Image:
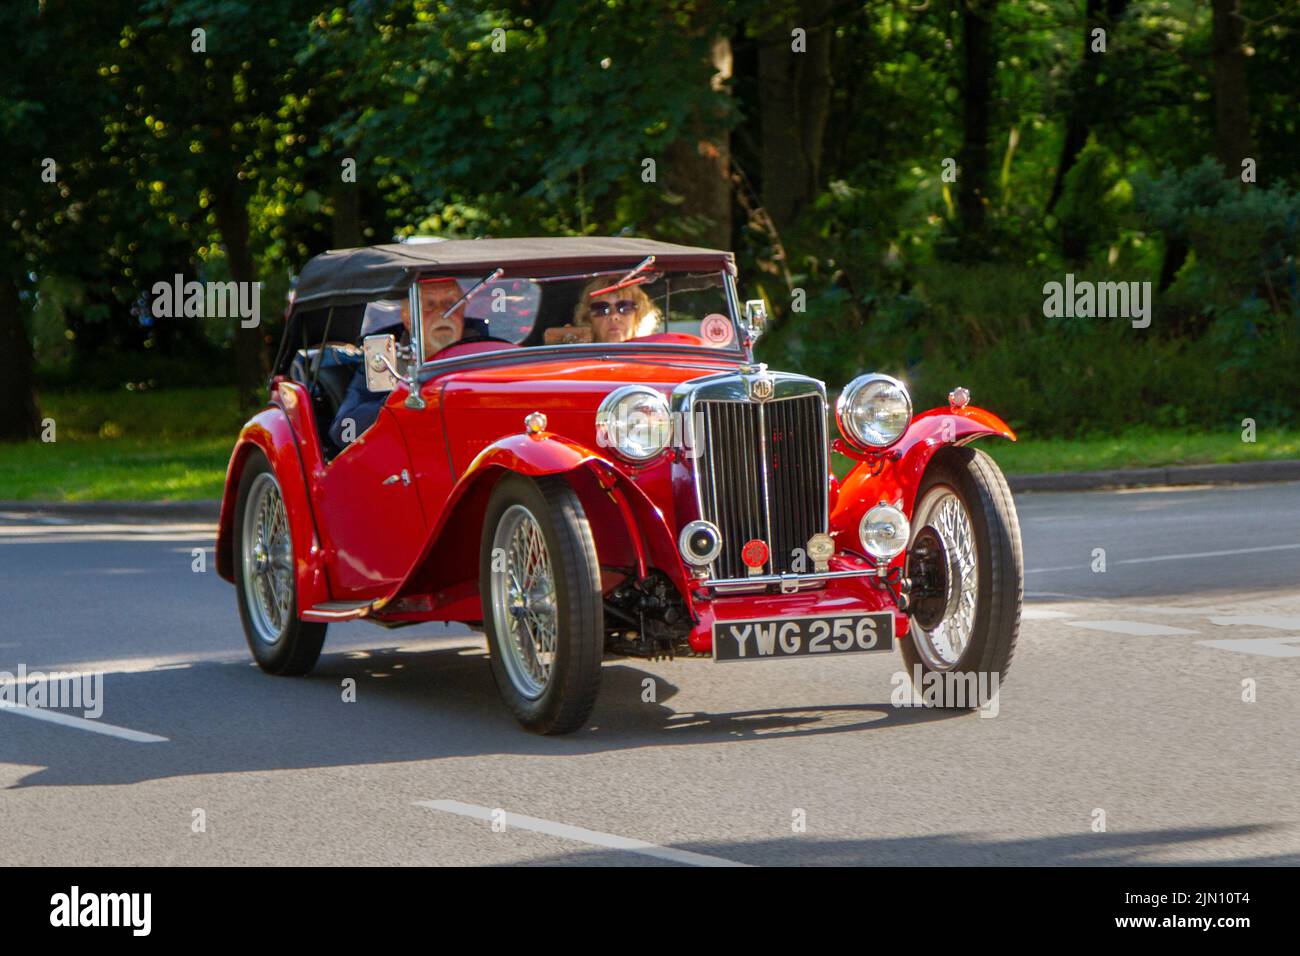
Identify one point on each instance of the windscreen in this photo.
(605, 310)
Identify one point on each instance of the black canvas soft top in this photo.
(354, 276)
(333, 287)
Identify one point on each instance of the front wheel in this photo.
(967, 573)
(542, 607)
(264, 577)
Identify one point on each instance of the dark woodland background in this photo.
(811, 137)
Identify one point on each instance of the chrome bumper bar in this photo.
(789, 583)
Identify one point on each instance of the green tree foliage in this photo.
(899, 180)
(514, 120)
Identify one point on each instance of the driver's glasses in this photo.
(602, 308)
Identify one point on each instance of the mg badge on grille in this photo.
(761, 388)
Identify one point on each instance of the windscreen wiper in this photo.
(632, 278)
(491, 276)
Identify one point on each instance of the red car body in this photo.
(428, 571)
(390, 529)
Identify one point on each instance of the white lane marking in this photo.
(1263, 646)
(1280, 621)
(81, 723)
(580, 834)
(196, 536)
(142, 665)
(35, 519)
(1177, 557)
(1163, 489)
(145, 531)
(1211, 554)
(109, 571)
(1162, 609)
(1137, 628)
(1041, 614)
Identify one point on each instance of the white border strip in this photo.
(580, 834)
(81, 723)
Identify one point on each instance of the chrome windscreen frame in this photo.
(417, 326)
(425, 368)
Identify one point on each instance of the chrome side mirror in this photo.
(381, 355)
(381, 362)
(755, 318)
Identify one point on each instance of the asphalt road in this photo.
(1124, 707)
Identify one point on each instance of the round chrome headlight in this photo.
(884, 531)
(873, 411)
(634, 421)
(700, 543)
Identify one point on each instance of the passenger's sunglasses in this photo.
(622, 306)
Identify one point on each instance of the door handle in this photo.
(404, 476)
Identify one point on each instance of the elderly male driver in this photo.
(360, 406)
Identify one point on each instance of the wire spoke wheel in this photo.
(543, 610)
(266, 576)
(967, 572)
(268, 560)
(944, 637)
(524, 601)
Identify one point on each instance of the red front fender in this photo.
(447, 568)
(902, 466)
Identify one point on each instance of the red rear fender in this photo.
(269, 433)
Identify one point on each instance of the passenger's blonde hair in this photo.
(647, 319)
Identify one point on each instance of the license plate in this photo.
(767, 639)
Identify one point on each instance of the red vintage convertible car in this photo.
(568, 443)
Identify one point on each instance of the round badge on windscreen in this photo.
(716, 329)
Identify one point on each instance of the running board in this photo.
(338, 611)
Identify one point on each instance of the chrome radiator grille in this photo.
(763, 475)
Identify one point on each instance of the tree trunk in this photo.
(1098, 13)
(251, 367)
(794, 102)
(1176, 251)
(1232, 140)
(347, 214)
(699, 163)
(977, 84)
(20, 419)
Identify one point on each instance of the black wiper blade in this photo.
(632, 278)
(495, 274)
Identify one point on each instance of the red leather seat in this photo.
(471, 348)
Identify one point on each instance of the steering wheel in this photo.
(472, 340)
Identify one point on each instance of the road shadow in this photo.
(433, 704)
(953, 849)
(222, 717)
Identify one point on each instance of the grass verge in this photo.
(1136, 448)
(126, 446)
(174, 446)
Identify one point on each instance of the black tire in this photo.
(978, 483)
(297, 643)
(570, 691)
